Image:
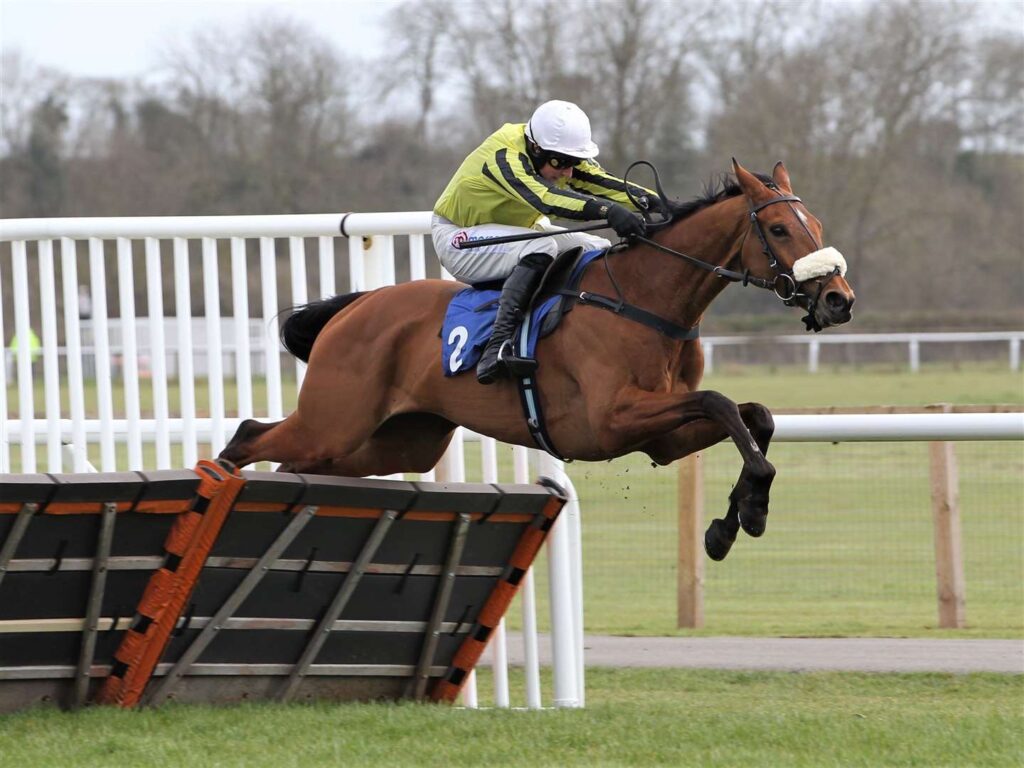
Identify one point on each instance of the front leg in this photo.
(639, 419)
(748, 500)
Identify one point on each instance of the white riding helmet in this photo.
(561, 126)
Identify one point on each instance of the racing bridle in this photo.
(784, 283)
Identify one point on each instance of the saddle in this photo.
(470, 314)
(560, 278)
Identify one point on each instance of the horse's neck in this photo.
(672, 287)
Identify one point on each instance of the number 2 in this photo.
(459, 336)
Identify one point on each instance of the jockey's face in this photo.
(551, 173)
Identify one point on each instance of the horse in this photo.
(374, 400)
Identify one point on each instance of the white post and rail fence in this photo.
(913, 341)
(222, 253)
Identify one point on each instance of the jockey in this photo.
(518, 177)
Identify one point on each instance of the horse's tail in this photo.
(305, 322)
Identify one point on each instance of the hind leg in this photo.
(324, 426)
(405, 443)
(239, 447)
(287, 441)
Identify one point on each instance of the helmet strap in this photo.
(537, 155)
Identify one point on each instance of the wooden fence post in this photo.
(690, 571)
(949, 561)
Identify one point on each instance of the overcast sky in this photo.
(107, 38)
(104, 38)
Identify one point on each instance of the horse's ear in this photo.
(752, 186)
(781, 178)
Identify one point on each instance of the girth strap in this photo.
(636, 314)
(529, 397)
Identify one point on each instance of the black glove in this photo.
(625, 222)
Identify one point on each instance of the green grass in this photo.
(793, 387)
(632, 717)
(848, 549)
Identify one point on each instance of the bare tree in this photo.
(993, 105)
(901, 121)
(270, 105)
(415, 64)
(642, 80)
(511, 57)
(21, 84)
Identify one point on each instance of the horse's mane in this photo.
(715, 190)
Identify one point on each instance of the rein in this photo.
(731, 275)
(784, 284)
(728, 274)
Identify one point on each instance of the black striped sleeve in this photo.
(592, 179)
(487, 172)
(516, 176)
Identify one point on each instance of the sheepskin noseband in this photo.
(819, 264)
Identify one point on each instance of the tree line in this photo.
(902, 123)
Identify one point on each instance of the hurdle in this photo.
(219, 585)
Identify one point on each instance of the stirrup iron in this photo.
(515, 365)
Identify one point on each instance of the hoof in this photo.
(718, 539)
(753, 517)
(226, 464)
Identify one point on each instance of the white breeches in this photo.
(496, 262)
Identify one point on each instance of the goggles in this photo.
(560, 161)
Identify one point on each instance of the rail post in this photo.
(949, 561)
(813, 355)
(690, 570)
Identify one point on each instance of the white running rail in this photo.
(263, 263)
(914, 341)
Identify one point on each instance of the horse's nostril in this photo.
(836, 301)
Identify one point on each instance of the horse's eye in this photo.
(778, 230)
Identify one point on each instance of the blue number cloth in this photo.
(467, 327)
(470, 317)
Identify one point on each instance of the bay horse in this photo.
(375, 401)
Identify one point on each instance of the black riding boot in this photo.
(515, 296)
